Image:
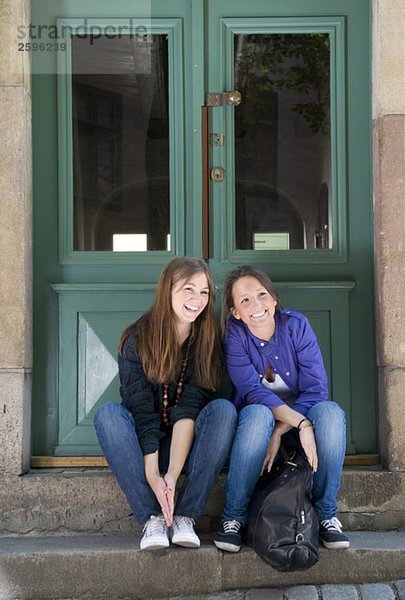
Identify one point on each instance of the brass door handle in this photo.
(235, 98)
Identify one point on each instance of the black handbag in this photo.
(282, 524)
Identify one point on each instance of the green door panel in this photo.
(84, 299)
(326, 305)
(91, 319)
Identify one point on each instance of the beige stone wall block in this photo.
(14, 64)
(15, 422)
(15, 228)
(388, 57)
(389, 185)
(392, 418)
(27, 61)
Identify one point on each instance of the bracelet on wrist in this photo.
(300, 425)
(304, 427)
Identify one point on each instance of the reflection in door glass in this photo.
(282, 141)
(121, 144)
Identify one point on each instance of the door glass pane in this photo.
(282, 141)
(121, 143)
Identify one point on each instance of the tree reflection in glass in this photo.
(282, 141)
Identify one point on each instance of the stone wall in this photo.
(15, 242)
(389, 197)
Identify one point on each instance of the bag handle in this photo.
(288, 459)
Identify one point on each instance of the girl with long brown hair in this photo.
(169, 365)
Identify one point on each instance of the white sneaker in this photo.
(183, 533)
(155, 534)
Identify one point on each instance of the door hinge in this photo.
(224, 98)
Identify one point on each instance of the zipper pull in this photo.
(302, 516)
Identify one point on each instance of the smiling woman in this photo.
(255, 306)
(261, 340)
(189, 298)
(169, 367)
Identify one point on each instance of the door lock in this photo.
(217, 174)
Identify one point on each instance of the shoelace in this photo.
(332, 524)
(231, 526)
(183, 522)
(155, 525)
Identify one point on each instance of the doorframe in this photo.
(196, 67)
(389, 113)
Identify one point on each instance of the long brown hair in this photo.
(232, 278)
(157, 341)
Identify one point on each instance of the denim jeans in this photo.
(214, 431)
(330, 435)
(255, 425)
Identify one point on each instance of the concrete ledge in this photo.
(372, 557)
(372, 499)
(111, 566)
(89, 500)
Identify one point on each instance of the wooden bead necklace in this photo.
(180, 385)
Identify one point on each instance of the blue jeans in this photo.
(255, 425)
(214, 430)
(330, 435)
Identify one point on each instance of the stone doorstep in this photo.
(112, 566)
(56, 501)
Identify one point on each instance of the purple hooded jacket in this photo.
(294, 354)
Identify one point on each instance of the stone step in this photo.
(106, 566)
(60, 501)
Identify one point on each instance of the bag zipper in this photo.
(299, 537)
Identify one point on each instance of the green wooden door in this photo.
(296, 197)
(118, 155)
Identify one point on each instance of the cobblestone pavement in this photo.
(393, 590)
